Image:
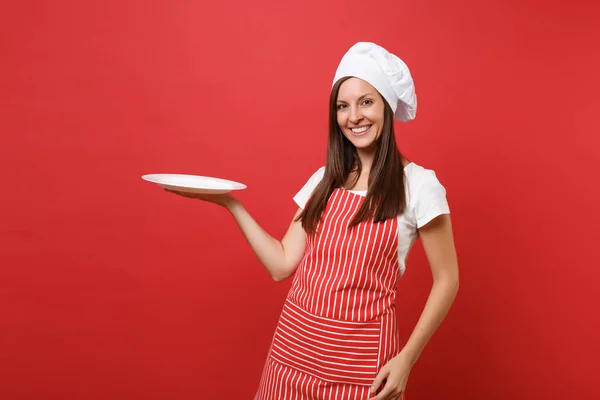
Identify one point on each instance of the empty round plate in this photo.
(194, 183)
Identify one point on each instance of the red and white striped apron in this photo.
(338, 323)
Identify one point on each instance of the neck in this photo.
(366, 158)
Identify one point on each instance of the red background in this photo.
(111, 288)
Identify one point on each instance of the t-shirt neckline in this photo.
(364, 192)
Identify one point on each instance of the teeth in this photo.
(361, 129)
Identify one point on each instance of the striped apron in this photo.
(338, 323)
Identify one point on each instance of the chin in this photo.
(364, 146)
(362, 143)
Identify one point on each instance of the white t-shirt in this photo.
(425, 200)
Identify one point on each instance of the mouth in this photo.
(361, 130)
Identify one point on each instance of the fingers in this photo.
(219, 199)
(388, 393)
(383, 373)
(385, 392)
(384, 395)
(390, 390)
(395, 396)
(184, 194)
(396, 391)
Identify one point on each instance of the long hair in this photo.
(386, 189)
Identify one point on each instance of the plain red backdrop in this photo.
(112, 288)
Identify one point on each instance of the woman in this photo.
(358, 217)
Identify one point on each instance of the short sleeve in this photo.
(301, 198)
(430, 199)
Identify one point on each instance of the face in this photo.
(360, 113)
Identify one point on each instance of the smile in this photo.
(361, 130)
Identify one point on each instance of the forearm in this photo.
(441, 297)
(269, 250)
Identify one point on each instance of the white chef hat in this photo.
(385, 72)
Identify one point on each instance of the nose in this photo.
(355, 115)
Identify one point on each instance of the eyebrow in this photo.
(361, 97)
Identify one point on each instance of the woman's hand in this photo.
(223, 199)
(395, 372)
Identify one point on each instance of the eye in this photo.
(341, 106)
(367, 102)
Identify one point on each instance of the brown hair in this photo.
(386, 194)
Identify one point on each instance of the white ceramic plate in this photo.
(194, 183)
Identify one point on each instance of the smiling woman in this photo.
(362, 152)
(360, 113)
(337, 336)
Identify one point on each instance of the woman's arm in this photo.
(280, 258)
(438, 243)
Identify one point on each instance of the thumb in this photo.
(383, 373)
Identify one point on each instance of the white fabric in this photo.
(385, 72)
(425, 198)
